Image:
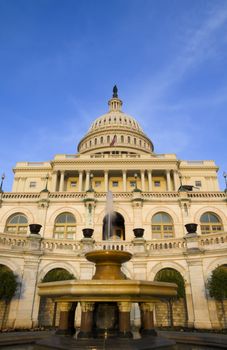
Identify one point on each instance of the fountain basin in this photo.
(107, 290)
(108, 263)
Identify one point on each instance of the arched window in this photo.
(162, 226)
(65, 226)
(129, 139)
(122, 139)
(140, 142)
(95, 141)
(17, 223)
(101, 140)
(134, 141)
(90, 143)
(210, 222)
(108, 139)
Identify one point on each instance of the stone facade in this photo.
(156, 192)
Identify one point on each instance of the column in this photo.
(142, 180)
(200, 303)
(147, 319)
(15, 184)
(149, 180)
(106, 181)
(80, 181)
(168, 182)
(87, 183)
(27, 292)
(86, 320)
(67, 315)
(124, 319)
(176, 180)
(124, 181)
(62, 179)
(54, 181)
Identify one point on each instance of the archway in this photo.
(172, 311)
(48, 310)
(8, 286)
(113, 227)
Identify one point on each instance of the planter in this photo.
(88, 232)
(191, 228)
(35, 228)
(138, 232)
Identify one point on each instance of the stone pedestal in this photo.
(87, 244)
(86, 325)
(147, 319)
(67, 315)
(139, 245)
(124, 320)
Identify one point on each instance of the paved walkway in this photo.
(209, 339)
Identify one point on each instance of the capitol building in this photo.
(154, 196)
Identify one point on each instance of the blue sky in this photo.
(59, 60)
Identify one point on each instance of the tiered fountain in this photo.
(106, 302)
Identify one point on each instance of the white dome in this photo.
(117, 118)
(116, 132)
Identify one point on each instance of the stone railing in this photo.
(12, 241)
(207, 195)
(12, 196)
(114, 245)
(161, 246)
(213, 240)
(53, 245)
(165, 244)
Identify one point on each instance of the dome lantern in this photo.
(115, 103)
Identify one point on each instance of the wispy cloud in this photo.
(200, 44)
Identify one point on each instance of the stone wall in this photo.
(49, 313)
(222, 317)
(4, 311)
(162, 314)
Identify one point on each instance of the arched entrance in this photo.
(48, 310)
(113, 227)
(172, 311)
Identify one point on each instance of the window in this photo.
(198, 183)
(108, 139)
(101, 139)
(73, 183)
(32, 184)
(134, 141)
(129, 140)
(140, 143)
(122, 139)
(132, 183)
(157, 184)
(17, 223)
(95, 141)
(97, 183)
(210, 223)
(162, 226)
(65, 226)
(115, 183)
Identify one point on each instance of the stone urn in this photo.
(138, 232)
(191, 228)
(35, 228)
(88, 232)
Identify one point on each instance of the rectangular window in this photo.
(198, 183)
(115, 183)
(97, 183)
(157, 184)
(32, 184)
(73, 183)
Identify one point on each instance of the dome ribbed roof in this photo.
(115, 118)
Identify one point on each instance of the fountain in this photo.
(106, 301)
